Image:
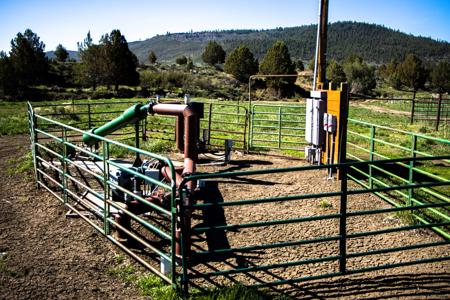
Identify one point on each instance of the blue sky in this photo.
(67, 22)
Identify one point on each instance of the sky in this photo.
(67, 22)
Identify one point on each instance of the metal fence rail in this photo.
(369, 142)
(84, 186)
(407, 170)
(225, 121)
(222, 120)
(279, 127)
(432, 111)
(336, 261)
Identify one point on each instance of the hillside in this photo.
(72, 55)
(375, 43)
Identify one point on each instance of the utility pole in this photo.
(320, 60)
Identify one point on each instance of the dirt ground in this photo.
(44, 255)
(416, 281)
(382, 109)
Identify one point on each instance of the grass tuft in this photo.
(126, 273)
(21, 164)
(153, 286)
(325, 204)
(407, 218)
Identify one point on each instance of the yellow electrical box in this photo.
(337, 106)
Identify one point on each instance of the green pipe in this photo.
(133, 114)
(266, 200)
(270, 246)
(396, 265)
(266, 223)
(397, 249)
(395, 209)
(402, 131)
(397, 229)
(268, 267)
(445, 234)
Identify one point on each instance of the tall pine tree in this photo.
(28, 59)
(278, 62)
(121, 62)
(241, 64)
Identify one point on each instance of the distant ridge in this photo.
(375, 43)
(72, 54)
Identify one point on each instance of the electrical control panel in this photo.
(329, 123)
(315, 108)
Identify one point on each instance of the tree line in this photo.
(374, 43)
(411, 73)
(110, 63)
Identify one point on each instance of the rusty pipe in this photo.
(190, 132)
(165, 171)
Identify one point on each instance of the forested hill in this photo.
(375, 43)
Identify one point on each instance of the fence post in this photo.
(413, 104)
(89, 116)
(34, 141)
(64, 164)
(343, 223)
(250, 129)
(184, 278)
(372, 150)
(144, 130)
(245, 130)
(209, 123)
(136, 142)
(412, 164)
(438, 116)
(279, 127)
(106, 207)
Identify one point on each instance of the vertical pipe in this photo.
(64, 164)
(173, 225)
(343, 223)
(250, 110)
(89, 116)
(184, 280)
(245, 146)
(279, 127)
(33, 136)
(342, 141)
(179, 132)
(209, 122)
(413, 106)
(136, 132)
(372, 150)
(106, 208)
(136, 142)
(144, 130)
(250, 136)
(438, 116)
(411, 166)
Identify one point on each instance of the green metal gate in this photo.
(272, 258)
(277, 127)
(83, 184)
(378, 153)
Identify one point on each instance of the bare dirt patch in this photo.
(404, 281)
(382, 109)
(44, 255)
